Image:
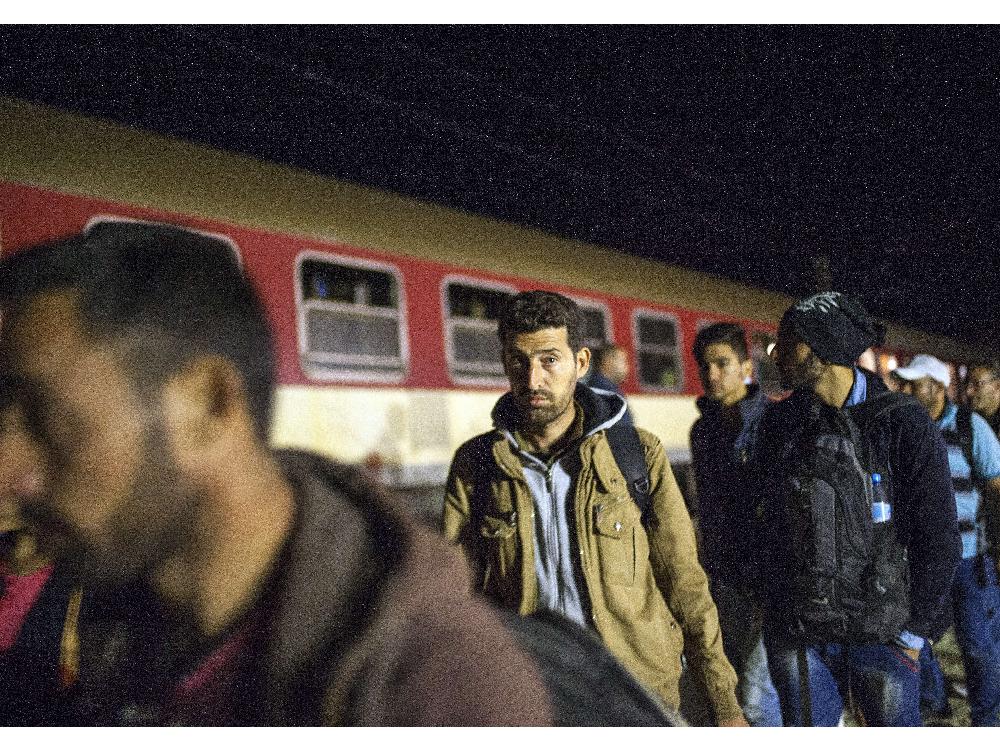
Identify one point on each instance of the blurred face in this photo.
(20, 468)
(543, 371)
(723, 375)
(615, 366)
(798, 366)
(20, 478)
(928, 392)
(983, 391)
(112, 502)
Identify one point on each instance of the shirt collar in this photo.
(859, 391)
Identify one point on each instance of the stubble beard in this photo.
(151, 526)
(536, 418)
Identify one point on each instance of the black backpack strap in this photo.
(482, 475)
(627, 449)
(870, 411)
(963, 430)
(961, 437)
(874, 408)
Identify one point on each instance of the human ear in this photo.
(202, 405)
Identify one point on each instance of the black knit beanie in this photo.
(835, 327)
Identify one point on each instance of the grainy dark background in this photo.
(778, 155)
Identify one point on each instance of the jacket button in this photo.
(618, 525)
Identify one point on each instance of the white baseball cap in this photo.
(925, 366)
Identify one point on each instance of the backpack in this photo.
(849, 578)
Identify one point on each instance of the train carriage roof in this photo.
(50, 148)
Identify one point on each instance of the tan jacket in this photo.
(648, 593)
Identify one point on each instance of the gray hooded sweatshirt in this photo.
(552, 481)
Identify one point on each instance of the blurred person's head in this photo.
(543, 355)
(822, 336)
(983, 389)
(612, 362)
(20, 479)
(926, 378)
(724, 366)
(141, 358)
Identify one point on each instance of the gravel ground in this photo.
(951, 664)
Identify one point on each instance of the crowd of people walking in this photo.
(163, 565)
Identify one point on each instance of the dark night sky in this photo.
(743, 151)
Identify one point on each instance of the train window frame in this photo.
(677, 350)
(448, 325)
(117, 219)
(340, 368)
(593, 304)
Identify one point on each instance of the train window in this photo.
(351, 321)
(658, 350)
(99, 219)
(595, 324)
(471, 312)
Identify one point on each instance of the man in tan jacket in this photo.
(545, 515)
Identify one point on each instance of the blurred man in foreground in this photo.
(226, 583)
(38, 605)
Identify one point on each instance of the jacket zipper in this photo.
(554, 537)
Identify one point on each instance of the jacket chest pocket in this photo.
(616, 523)
(498, 536)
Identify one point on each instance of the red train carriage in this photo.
(383, 308)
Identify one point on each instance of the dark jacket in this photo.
(365, 622)
(604, 383)
(724, 506)
(923, 506)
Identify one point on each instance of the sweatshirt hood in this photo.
(601, 409)
(750, 406)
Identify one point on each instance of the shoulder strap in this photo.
(963, 429)
(626, 447)
(482, 468)
(862, 416)
(877, 406)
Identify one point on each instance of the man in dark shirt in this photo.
(819, 340)
(721, 441)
